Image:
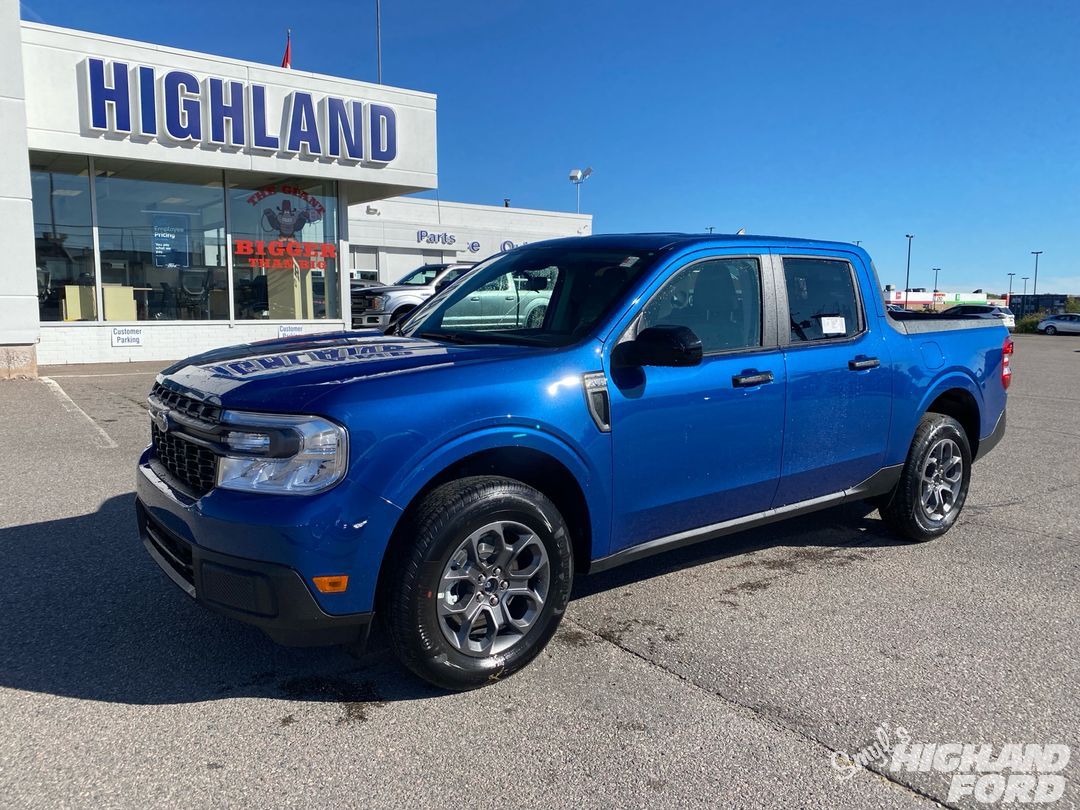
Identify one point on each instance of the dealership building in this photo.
(159, 202)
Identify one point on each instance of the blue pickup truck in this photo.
(451, 477)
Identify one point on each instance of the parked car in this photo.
(452, 475)
(379, 306)
(1068, 324)
(1003, 314)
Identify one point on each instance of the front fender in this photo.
(594, 483)
(404, 301)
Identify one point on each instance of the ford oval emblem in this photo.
(160, 419)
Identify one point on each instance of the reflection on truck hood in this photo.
(286, 375)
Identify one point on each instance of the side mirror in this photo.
(660, 346)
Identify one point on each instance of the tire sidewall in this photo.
(442, 661)
(946, 428)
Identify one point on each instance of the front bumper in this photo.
(371, 320)
(270, 596)
(252, 557)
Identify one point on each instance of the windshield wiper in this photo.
(449, 337)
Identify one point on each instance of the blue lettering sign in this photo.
(147, 101)
(174, 103)
(382, 133)
(259, 136)
(102, 95)
(222, 111)
(303, 130)
(344, 123)
(183, 116)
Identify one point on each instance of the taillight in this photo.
(1006, 362)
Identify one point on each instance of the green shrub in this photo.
(1027, 324)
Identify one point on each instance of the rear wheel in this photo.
(1051, 330)
(933, 485)
(484, 585)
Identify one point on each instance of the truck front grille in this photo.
(193, 466)
(189, 406)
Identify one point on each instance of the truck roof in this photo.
(661, 240)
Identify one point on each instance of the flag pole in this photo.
(378, 40)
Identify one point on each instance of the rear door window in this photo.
(822, 301)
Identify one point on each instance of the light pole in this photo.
(577, 177)
(709, 228)
(907, 276)
(1035, 283)
(1008, 298)
(936, 271)
(1023, 301)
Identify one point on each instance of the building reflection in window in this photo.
(284, 243)
(161, 233)
(63, 237)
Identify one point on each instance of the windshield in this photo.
(422, 275)
(550, 296)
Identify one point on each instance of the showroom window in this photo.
(161, 237)
(63, 237)
(284, 243)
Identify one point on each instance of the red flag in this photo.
(286, 60)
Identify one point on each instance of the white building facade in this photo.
(171, 202)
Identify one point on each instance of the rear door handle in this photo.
(475, 298)
(752, 379)
(509, 298)
(863, 363)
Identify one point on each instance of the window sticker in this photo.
(629, 261)
(833, 325)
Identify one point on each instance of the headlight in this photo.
(283, 455)
(376, 302)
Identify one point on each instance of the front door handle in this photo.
(475, 298)
(751, 379)
(509, 298)
(863, 363)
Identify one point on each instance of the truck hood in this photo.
(287, 375)
(394, 288)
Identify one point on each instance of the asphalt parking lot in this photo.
(723, 675)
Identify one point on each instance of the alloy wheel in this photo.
(493, 588)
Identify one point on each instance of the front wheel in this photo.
(536, 318)
(483, 585)
(934, 482)
(1051, 330)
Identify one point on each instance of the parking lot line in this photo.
(69, 405)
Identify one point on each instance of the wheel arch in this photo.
(532, 466)
(959, 403)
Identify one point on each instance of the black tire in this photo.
(1051, 330)
(904, 512)
(535, 320)
(401, 312)
(437, 527)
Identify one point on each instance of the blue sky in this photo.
(956, 121)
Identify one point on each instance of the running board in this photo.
(879, 483)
